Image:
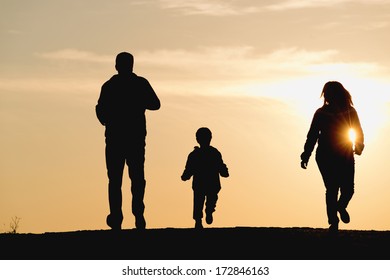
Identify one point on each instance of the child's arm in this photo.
(224, 172)
(187, 173)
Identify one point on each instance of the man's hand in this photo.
(304, 164)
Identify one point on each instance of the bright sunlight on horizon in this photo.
(252, 72)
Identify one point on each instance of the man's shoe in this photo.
(344, 215)
(140, 222)
(112, 225)
(209, 218)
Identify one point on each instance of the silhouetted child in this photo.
(205, 164)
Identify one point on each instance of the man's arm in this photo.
(152, 101)
(101, 106)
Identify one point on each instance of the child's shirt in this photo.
(205, 165)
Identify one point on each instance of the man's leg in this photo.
(135, 162)
(115, 161)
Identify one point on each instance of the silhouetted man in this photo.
(121, 109)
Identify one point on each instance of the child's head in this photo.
(203, 136)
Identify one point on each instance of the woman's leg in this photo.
(328, 172)
(347, 187)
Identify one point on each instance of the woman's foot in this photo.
(198, 224)
(334, 229)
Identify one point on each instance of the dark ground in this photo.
(240, 243)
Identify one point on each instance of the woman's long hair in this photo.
(336, 95)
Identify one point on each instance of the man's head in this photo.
(124, 62)
(203, 136)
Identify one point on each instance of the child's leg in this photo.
(211, 203)
(199, 198)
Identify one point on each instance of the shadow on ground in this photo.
(240, 243)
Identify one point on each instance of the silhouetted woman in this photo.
(331, 128)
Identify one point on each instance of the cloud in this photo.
(241, 71)
(48, 85)
(301, 4)
(240, 63)
(237, 7)
(206, 70)
(75, 55)
(376, 25)
(206, 7)
(13, 32)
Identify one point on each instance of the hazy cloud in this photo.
(242, 71)
(208, 70)
(300, 4)
(244, 63)
(376, 25)
(207, 7)
(13, 32)
(76, 55)
(237, 7)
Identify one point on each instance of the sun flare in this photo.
(352, 135)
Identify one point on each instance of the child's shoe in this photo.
(209, 218)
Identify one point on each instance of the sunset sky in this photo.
(252, 71)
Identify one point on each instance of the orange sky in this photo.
(252, 72)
